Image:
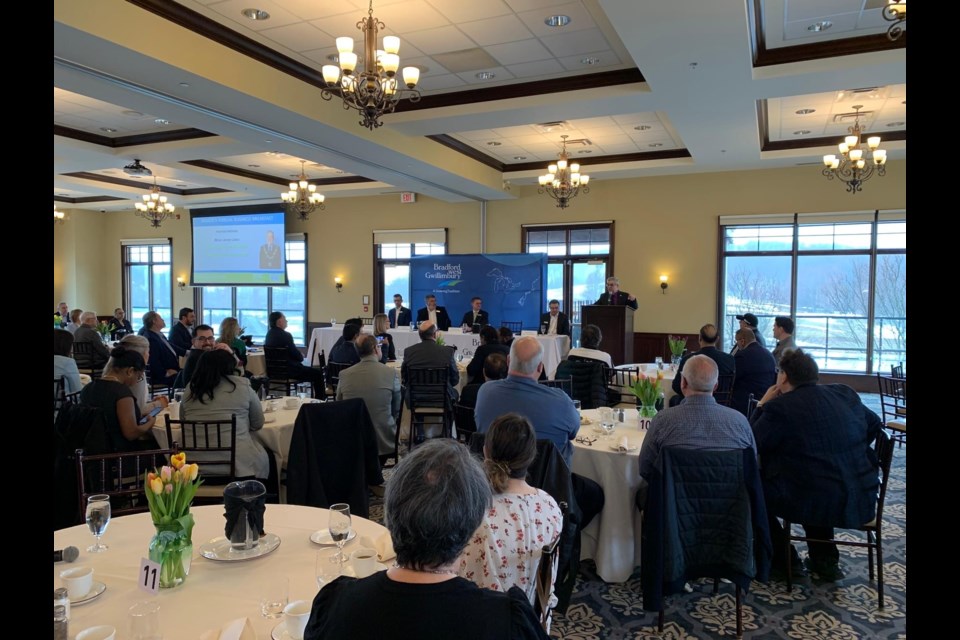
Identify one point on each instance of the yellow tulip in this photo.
(178, 460)
(191, 471)
(151, 476)
(156, 485)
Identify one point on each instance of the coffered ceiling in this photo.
(222, 108)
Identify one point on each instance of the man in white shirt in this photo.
(433, 313)
(554, 322)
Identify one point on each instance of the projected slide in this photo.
(241, 249)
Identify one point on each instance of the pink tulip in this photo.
(166, 473)
(168, 488)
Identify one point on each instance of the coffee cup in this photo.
(99, 632)
(364, 561)
(77, 581)
(295, 617)
(292, 403)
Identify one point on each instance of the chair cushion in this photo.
(897, 425)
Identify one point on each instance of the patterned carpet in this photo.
(815, 610)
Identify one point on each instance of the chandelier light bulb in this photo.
(391, 44)
(563, 180)
(851, 165)
(344, 45)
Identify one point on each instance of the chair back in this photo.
(883, 446)
(120, 476)
(546, 573)
(893, 397)
(515, 326)
(212, 444)
(752, 403)
(621, 380)
(333, 373)
(896, 371)
(277, 365)
(59, 393)
(367, 321)
(564, 384)
(723, 394)
(464, 421)
(427, 388)
(84, 356)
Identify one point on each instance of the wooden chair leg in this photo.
(870, 554)
(660, 620)
(716, 585)
(739, 614)
(788, 555)
(879, 572)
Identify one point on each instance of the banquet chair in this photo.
(724, 391)
(281, 380)
(588, 380)
(76, 426)
(429, 401)
(158, 389)
(751, 406)
(120, 476)
(564, 384)
(516, 327)
(619, 385)
(84, 356)
(212, 444)
(464, 421)
(896, 371)
(546, 574)
(333, 374)
(893, 405)
(883, 446)
(61, 397)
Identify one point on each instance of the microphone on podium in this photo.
(66, 555)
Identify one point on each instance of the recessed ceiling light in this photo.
(643, 127)
(557, 21)
(589, 60)
(181, 184)
(254, 166)
(184, 84)
(804, 112)
(161, 121)
(486, 75)
(823, 25)
(896, 124)
(131, 113)
(802, 132)
(519, 157)
(108, 129)
(494, 143)
(655, 144)
(585, 151)
(255, 14)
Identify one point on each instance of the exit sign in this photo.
(407, 197)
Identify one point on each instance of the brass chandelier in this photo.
(563, 181)
(895, 11)
(303, 197)
(155, 207)
(852, 167)
(376, 90)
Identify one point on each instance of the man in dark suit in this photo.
(164, 363)
(555, 322)
(613, 295)
(708, 347)
(749, 321)
(755, 370)
(430, 355)
(476, 315)
(278, 336)
(817, 461)
(437, 315)
(494, 368)
(345, 351)
(87, 332)
(399, 316)
(181, 333)
(489, 343)
(119, 325)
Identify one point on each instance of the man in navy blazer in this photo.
(399, 316)
(754, 370)
(613, 295)
(433, 313)
(817, 461)
(555, 321)
(164, 362)
(476, 315)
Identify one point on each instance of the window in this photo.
(842, 277)
(578, 263)
(252, 305)
(392, 252)
(146, 280)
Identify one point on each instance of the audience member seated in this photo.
(87, 332)
(63, 312)
(112, 394)
(817, 462)
(230, 331)
(489, 343)
(164, 359)
(278, 336)
(181, 333)
(754, 370)
(141, 394)
(506, 336)
(505, 550)
(434, 503)
(430, 355)
(216, 393)
(345, 352)
(708, 347)
(381, 327)
(119, 325)
(64, 366)
(590, 338)
(74, 322)
(202, 342)
(494, 368)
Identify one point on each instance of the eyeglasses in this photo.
(204, 338)
(139, 376)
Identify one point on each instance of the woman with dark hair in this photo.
(435, 501)
(112, 394)
(64, 366)
(215, 393)
(506, 548)
(489, 343)
(381, 326)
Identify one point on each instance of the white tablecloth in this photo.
(613, 538)
(214, 592)
(256, 363)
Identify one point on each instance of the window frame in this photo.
(379, 292)
(126, 277)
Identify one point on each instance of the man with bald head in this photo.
(87, 332)
(756, 370)
(430, 355)
(708, 347)
(698, 422)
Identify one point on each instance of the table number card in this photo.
(149, 577)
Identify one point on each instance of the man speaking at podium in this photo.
(615, 296)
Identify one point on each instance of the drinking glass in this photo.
(659, 361)
(98, 517)
(413, 325)
(303, 390)
(577, 405)
(339, 528)
(328, 568)
(607, 424)
(333, 321)
(459, 357)
(274, 596)
(145, 621)
(178, 395)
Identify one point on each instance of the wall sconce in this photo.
(181, 283)
(663, 284)
(338, 283)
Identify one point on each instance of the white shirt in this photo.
(552, 329)
(432, 316)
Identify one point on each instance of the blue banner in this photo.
(510, 284)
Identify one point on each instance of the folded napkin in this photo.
(239, 629)
(623, 445)
(383, 544)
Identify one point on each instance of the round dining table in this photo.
(216, 591)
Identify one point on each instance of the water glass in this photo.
(659, 362)
(607, 424)
(333, 321)
(98, 517)
(145, 621)
(178, 395)
(327, 567)
(303, 390)
(274, 595)
(577, 405)
(340, 528)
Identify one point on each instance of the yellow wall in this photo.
(663, 225)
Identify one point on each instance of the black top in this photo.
(119, 329)
(443, 319)
(277, 337)
(387, 351)
(104, 394)
(378, 607)
(181, 338)
(618, 298)
(482, 318)
(475, 368)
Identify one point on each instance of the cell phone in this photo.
(380, 340)
(153, 412)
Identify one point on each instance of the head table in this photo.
(215, 592)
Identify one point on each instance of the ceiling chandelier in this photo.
(852, 167)
(58, 216)
(376, 90)
(895, 11)
(155, 207)
(303, 197)
(562, 180)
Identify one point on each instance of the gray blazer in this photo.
(242, 402)
(379, 388)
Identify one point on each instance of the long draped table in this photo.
(215, 592)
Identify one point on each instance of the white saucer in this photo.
(269, 419)
(616, 447)
(219, 549)
(322, 537)
(96, 590)
(279, 632)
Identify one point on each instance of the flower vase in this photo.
(646, 413)
(172, 548)
(675, 359)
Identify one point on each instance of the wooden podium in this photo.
(616, 325)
